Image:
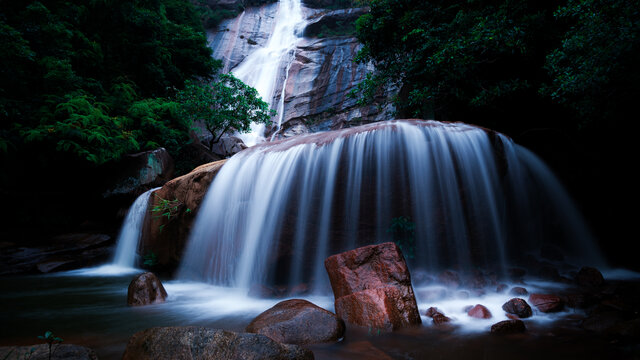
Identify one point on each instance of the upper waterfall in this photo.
(277, 210)
(262, 68)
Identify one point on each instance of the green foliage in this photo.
(150, 259)
(92, 79)
(403, 233)
(223, 105)
(51, 340)
(166, 208)
(599, 49)
(483, 61)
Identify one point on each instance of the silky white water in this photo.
(262, 68)
(275, 211)
(124, 260)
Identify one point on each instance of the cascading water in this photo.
(131, 231)
(261, 68)
(275, 211)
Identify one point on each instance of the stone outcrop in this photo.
(61, 253)
(372, 287)
(318, 84)
(299, 322)
(191, 343)
(137, 173)
(145, 289)
(518, 307)
(41, 352)
(166, 236)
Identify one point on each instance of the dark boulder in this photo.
(298, 322)
(145, 289)
(508, 327)
(588, 276)
(191, 343)
(518, 307)
(41, 352)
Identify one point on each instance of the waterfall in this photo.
(261, 68)
(275, 211)
(130, 233)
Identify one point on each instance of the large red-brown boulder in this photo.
(372, 287)
(479, 312)
(299, 322)
(191, 343)
(546, 302)
(518, 307)
(145, 289)
(166, 236)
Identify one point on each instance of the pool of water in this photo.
(89, 308)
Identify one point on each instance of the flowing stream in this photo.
(262, 68)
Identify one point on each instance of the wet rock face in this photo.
(145, 289)
(137, 173)
(61, 253)
(317, 88)
(236, 38)
(166, 236)
(202, 343)
(372, 287)
(298, 322)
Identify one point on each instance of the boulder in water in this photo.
(518, 307)
(547, 302)
(508, 327)
(479, 312)
(372, 287)
(588, 276)
(299, 322)
(192, 342)
(145, 289)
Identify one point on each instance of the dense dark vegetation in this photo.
(83, 83)
(558, 76)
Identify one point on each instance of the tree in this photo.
(223, 105)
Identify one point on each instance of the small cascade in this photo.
(261, 69)
(475, 199)
(131, 231)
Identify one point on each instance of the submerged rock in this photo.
(547, 302)
(588, 276)
(298, 322)
(508, 327)
(372, 287)
(145, 289)
(191, 343)
(41, 352)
